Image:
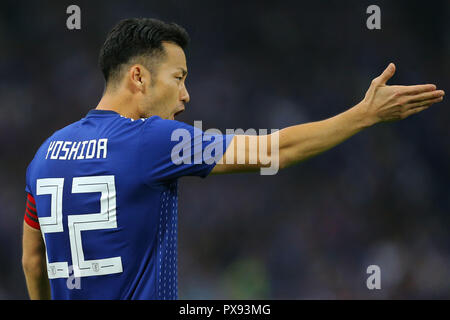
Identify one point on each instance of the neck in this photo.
(120, 103)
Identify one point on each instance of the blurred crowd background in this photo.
(309, 232)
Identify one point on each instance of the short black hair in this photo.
(133, 38)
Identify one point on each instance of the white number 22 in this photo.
(105, 219)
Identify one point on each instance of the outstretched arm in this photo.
(382, 103)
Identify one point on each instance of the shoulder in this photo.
(158, 127)
(157, 121)
(55, 136)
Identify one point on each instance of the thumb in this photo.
(386, 75)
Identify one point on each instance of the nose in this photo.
(184, 95)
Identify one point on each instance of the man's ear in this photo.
(138, 76)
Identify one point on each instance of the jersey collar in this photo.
(101, 112)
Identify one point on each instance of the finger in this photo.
(423, 103)
(415, 110)
(417, 89)
(426, 96)
(386, 75)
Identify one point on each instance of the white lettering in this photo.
(230, 150)
(68, 150)
(81, 156)
(247, 143)
(56, 149)
(102, 146)
(52, 144)
(374, 20)
(274, 158)
(217, 148)
(74, 150)
(74, 20)
(73, 282)
(90, 152)
(65, 149)
(183, 146)
(241, 145)
(374, 281)
(207, 311)
(198, 143)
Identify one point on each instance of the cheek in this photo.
(164, 87)
(171, 91)
(165, 95)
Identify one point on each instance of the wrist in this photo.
(363, 116)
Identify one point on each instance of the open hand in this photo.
(385, 103)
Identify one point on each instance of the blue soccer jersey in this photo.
(103, 191)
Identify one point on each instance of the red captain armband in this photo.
(31, 217)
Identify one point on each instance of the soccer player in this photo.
(101, 208)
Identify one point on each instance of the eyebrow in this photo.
(183, 71)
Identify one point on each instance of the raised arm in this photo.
(382, 103)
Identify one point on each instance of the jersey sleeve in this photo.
(31, 217)
(172, 149)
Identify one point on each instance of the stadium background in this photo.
(382, 197)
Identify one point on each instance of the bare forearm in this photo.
(300, 142)
(38, 284)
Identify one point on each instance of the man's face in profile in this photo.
(167, 93)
